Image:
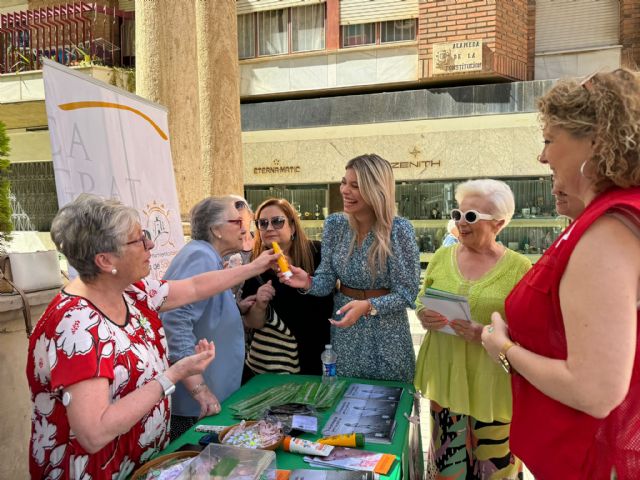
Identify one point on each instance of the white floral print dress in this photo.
(75, 341)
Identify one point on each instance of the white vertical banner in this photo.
(111, 143)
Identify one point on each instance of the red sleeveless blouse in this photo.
(553, 440)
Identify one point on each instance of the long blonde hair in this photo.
(300, 250)
(377, 187)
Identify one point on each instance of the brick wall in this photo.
(502, 25)
(630, 33)
(511, 49)
(531, 39)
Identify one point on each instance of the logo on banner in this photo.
(158, 223)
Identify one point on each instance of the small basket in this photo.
(163, 461)
(222, 435)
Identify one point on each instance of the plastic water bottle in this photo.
(329, 358)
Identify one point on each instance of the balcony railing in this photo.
(71, 34)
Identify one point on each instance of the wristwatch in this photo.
(167, 387)
(502, 356)
(373, 311)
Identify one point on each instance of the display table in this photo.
(401, 448)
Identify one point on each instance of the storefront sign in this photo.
(416, 164)
(456, 57)
(276, 168)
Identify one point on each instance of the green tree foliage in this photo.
(5, 206)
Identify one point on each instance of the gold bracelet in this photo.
(197, 389)
(502, 356)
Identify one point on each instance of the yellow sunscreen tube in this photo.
(344, 440)
(306, 447)
(282, 261)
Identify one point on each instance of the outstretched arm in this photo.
(204, 285)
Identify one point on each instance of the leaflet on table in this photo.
(375, 428)
(364, 407)
(307, 474)
(354, 459)
(374, 392)
(452, 306)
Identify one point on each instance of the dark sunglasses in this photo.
(276, 222)
(470, 216)
(240, 205)
(147, 243)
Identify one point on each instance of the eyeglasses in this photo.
(237, 221)
(147, 243)
(276, 222)
(470, 216)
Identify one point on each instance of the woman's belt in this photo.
(363, 294)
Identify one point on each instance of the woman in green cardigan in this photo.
(470, 394)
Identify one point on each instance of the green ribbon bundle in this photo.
(318, 395)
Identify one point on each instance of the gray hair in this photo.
(498, 193)
(90, 225)
(207, 213)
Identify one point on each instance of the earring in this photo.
(114, 271)
(219, 236)
(582, 168)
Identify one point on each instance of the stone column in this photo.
(186, 60)
(219, 92)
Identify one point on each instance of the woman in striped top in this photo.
(291, 329)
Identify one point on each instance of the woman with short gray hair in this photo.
(97, 366)
(470, 395)
(217, 230)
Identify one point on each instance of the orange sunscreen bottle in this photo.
(344, 440)
(282, 261)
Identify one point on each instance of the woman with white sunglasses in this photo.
(470, 394)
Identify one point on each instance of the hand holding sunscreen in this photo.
(282, 261)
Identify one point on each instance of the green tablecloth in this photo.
(288, 461)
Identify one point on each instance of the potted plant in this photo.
(6, 226)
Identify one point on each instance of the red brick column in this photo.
(502, 26)
(630, 33)
(332, 28)
(512, 48)
(531, 39)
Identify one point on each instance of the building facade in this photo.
(444, 89)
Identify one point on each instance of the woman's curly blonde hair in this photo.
(607, 107)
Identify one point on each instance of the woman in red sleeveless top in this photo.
(572, 339)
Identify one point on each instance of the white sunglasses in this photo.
(470, 216)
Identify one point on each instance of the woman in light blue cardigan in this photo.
(217, 229)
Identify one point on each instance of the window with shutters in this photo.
(273, 29)
(398, 31)
(356, 35)
(377, 33)
(246, 36)
(307, 28)
(283, 31)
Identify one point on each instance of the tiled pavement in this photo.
(417, 334)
